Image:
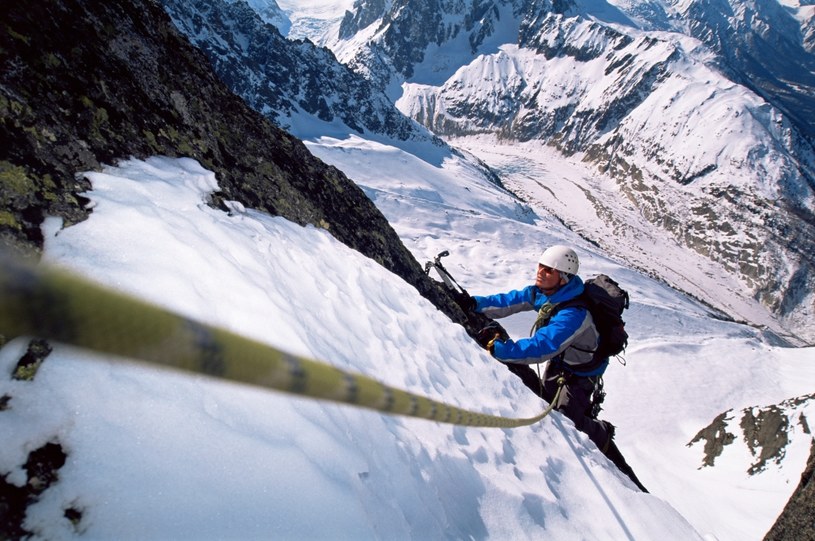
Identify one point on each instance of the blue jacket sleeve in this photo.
(506, 304)
(549, 341)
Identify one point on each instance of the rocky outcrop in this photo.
(285, 80)
(88, 84)
(797, 520)
(365, 13)
(765, 431)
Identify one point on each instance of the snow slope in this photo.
(159, 455)
(317, 20)
(721, 168)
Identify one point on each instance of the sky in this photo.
(154, 454)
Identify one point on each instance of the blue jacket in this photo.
(569, 337)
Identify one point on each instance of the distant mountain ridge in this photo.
(765, 46)
(728, 173)
(292, 83)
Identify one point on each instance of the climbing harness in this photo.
(45, 302)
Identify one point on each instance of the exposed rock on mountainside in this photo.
(283, 79)
(797, 520)
(365, 12)
(767, 432)
(90, 84)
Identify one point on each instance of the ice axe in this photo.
(446, 277)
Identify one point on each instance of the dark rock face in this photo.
(766, 435)
(42, 470)
(797, 520)
(91, 83)
(135, 89)
(366, 12)
(715, 436)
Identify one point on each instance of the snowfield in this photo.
(154, 454)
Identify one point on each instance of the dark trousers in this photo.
(575, 403)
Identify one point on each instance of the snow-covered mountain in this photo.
(316, 20)
(676, 123)
(246, 230)
(270, 13)
(297, 85)
(766, 46)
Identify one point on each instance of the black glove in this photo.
(464, 300)
(487, 336)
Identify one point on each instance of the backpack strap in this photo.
(548, 310)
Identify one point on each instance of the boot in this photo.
(614, 454)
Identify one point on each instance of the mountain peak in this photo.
(640, 105)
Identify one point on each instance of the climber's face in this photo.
(548, 279)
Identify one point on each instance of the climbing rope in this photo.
(42, 301)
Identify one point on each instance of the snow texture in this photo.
(154, 454)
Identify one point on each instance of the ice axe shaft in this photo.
(446, 277)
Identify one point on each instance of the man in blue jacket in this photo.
(564, 335)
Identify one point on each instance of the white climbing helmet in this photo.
(560, 258)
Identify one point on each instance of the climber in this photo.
(564, 334)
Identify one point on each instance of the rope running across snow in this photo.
(56, 305)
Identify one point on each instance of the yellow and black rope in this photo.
(42, 301)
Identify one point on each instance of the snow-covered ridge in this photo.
(160, 455)
(153, 235)
(728, 174)
(299, 86)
